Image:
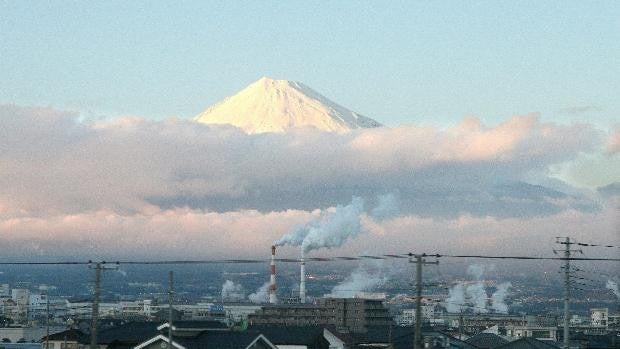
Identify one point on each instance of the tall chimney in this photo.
(272, 279)
(302, 283)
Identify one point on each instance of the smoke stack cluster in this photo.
(272, 279)
(332, 229)
(302, 282)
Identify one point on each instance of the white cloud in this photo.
(109, 186)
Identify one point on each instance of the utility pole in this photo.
(170, 297)
(461, 325)
(567, 254)
(419, 261)
(98, 266)
(95, 314)
(47, 317)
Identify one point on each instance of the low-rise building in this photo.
(345, 314)
(538, 332)
(26, 334)
(599, 316)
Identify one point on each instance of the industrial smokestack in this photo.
(302, 283)
(272, 279)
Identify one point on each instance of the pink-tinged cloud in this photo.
(195, 234)
(174, 233)
(613, 142)
(494, 236)
(127, 186)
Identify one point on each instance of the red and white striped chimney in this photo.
(272, 280)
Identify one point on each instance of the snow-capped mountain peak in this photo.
(269, 105)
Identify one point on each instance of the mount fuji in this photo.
(269, 105)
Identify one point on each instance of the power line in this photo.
(596, 245)
(592, 271)
(532, 258)
(308, 259)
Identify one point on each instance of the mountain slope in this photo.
(269, 105)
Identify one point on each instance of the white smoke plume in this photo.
(478, 270)
(456, 299)
(387, 206)
(477, 295)
(232, 291)
(613, 286)
(331, 229)
(360, 280)
(261, 295)
(499, 298)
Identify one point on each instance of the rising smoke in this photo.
(232, 292)
(478, 270)
(331, 229)
(387, 207)
(498, 298)
(261, 295)
(477, 297)
(456, 299)
(334, 227)
(362, 279)
(474, 295)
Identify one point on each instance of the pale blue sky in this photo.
(431, 61)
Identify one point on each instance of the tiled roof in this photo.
(207, 324)
(311, 336)
(528, 343)
(486, 340)
(73, 335)
(131, 332)
(219, 339)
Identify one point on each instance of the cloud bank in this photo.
(108, 187)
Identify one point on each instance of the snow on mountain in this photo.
(269, 105)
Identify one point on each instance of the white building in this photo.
(5, 291)
(198, 311)
(538, 332)
(599, 316)
(21, 297)
(407, 316)
(28, 334)
(576, 320)
(240, 311)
